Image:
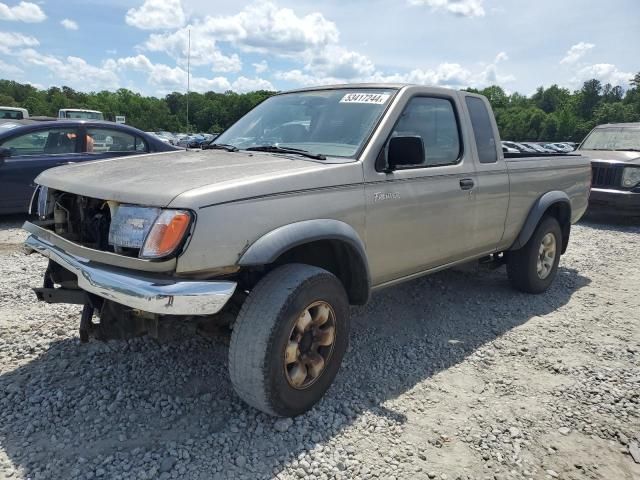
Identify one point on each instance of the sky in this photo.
(142, 45)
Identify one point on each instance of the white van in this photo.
(80, 113)
(13, 113)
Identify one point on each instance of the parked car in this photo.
(167, 135)
(506, 149)
(28, 147)
(159, 137)
(13, 113)
(553, 147)
(191, 141)
(535, 147)
(280, 226)
(518, 146)
(614, 150)
(560, 147)
(79, 114)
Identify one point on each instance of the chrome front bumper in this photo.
(155, 294)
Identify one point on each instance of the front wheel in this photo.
(289, 339)
(532, 268)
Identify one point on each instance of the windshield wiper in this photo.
(220, 146)
(626, 149)
(277, 149)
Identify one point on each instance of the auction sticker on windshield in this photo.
(372, 98)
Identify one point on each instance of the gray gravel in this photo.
(454, 376)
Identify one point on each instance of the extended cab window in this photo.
(434, 120)
(53, 141)
(482, 130)
(101, 140)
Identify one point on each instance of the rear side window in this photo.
(482, 130)
(100, 140)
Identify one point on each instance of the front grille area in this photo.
(79, 219)
(606, 175)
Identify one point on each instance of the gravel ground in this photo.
(454, 376)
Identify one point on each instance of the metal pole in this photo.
(188, 78)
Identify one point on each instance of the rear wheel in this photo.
(289, 339)
(532, 268)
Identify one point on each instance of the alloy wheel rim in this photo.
(546, 255)
(310, 345)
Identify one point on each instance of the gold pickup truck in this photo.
(310, 202)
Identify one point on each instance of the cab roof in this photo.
(620, 125)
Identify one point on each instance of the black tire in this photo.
(522, 264)
(262, 332)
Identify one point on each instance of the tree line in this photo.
(557, 114)
(550, 114)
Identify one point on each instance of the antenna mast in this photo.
(188, 77)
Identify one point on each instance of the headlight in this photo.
(630, 176)
(167, 234)
(155, 232)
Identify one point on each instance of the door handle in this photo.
(466, 184)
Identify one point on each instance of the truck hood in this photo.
(632, 158)
(188, 179)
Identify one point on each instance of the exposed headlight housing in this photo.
(155, 232)
(630, 176)
(167, 234)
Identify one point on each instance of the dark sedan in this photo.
(28, 147)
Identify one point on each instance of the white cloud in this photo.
(167, 79)
(261, 66)
(23, 12)
(446, 74)
(576, 52)
(10, 41)
(501, 57)
(452, 75)
(605, 72)
(338, 62)
(204, 50)
(73, 71)
(260, 27)
(8, 69)
(244, 84)
(461, 8)
(157, 15)
(69, 24)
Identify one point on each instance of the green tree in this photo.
(588, 98)
(550, 114)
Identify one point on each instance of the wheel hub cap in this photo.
(546, 255)
(310, 345)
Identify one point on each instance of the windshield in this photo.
(84, 115)
(614, 138)
(11, 114)
(327, 122)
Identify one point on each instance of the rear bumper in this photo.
(142, 291)
(617, 202)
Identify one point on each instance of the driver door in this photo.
(31, 154)
(421, 216)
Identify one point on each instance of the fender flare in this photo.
(535, 215)
(268, 248)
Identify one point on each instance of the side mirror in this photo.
(404, 151)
